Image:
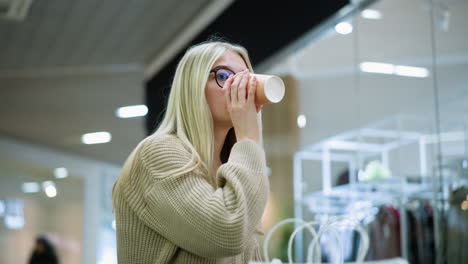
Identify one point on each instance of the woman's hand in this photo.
(239, 91)
(258, 107)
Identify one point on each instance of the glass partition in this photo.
(385, 100)
(450, 59)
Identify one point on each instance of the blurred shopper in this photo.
(43, 253)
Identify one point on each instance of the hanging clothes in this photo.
(456, 227)
(385, 232)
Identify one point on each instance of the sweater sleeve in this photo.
(190, 213)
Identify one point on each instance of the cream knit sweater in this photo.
(163, 218)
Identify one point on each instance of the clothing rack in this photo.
(377, 139)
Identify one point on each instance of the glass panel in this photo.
(396, 112)
(450, 42)
(383, 107)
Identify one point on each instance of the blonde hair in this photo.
(188, 115)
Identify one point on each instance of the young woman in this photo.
(195, 190)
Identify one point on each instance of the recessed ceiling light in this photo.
(377, 67)
(411, 71)
(301, 121)
(371, 14)
(387, 68)
(131, 111)
(49, 189)
(96, 138)
(344, 28)
(60, 173)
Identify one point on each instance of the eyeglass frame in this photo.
(215, 70)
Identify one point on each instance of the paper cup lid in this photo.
(274, 89)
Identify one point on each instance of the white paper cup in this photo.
(270, 89)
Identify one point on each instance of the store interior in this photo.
(373, 127)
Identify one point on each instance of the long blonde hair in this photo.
(188, 115)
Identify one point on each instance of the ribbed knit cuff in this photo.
(249, 154)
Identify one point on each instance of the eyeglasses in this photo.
(221, 75)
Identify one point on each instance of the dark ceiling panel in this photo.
(262, 27)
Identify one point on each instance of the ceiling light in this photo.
(387, 68)
(411, 71)
(96, 138)
(344, 28)
(377, 67)
(49, 189)
(131, 111)
(371, 14)
(30, 187)
(401, 70)
(60, 173)
(301, 121)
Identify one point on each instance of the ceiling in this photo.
(66, 68)
(89, 33)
